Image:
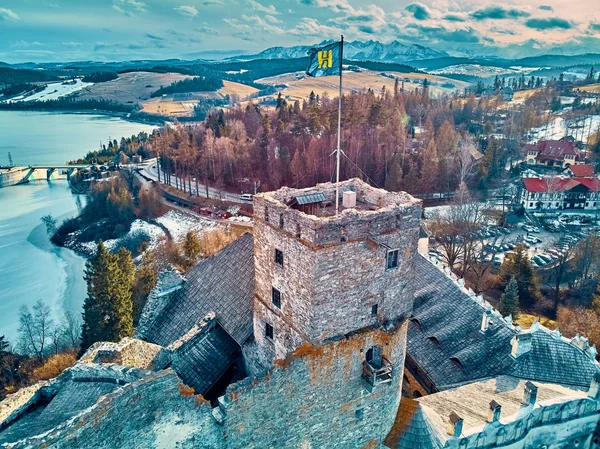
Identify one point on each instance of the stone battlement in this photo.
(309, 213)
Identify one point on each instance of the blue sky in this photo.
(108, 30)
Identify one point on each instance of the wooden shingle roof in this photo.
(224, 284)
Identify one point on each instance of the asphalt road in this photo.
(149, 169)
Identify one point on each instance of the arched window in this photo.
(281, 221)
(298, 233)
(266, 213)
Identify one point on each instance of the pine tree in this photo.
(191, 248)
(94, 305)
(108, 309)
(121, 307)
(145, 280)
(509, 301)
(518, 266)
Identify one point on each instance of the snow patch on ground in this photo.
(53, 91)
(179, 224)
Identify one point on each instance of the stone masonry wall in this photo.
(156, 412)
(329, 285)
(316, 398)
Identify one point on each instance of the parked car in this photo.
(246, 197)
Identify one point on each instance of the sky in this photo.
(114, 30)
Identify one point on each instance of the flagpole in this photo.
(337, 175)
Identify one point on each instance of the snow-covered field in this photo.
(53, 91)
(558, 128)
(483, 71)
(179, 224)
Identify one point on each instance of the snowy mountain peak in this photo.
(370, 50)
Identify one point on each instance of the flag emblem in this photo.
(325, 61)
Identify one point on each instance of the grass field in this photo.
(231, 88)
(300, 87)
(131, 87)
(591, 88)
(525, 320)
(169, 107)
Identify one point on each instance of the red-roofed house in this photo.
(552, 153)
(580, 171)
(560, 193)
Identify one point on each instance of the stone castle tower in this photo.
(320, 276)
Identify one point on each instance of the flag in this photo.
(325, 61)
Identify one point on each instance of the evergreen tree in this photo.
(191, 249)
(145, 280)
(107, 309)
(121, 307)
(518, 266)
(509, 301)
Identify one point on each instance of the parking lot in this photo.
(547, 243)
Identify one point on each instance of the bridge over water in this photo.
(11, 176)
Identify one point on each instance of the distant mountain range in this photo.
(360, 51)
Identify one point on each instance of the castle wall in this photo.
(316, 398)
(334, 278)
(155, 412)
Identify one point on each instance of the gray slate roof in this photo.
(224, 284)
(414, 429)
(201, 362)
(445, 340)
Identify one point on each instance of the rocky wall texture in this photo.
(316, 398)
(334, 279)
(156, 412)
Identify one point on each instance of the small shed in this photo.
(309, 203)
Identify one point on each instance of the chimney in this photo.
(494, 411)
(455, 425)
(521, 344)
(529, 394)
(485, 321)
(349, 199)
(594, 391)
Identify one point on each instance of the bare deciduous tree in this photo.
(36, 328)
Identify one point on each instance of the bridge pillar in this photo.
(49, 173)
(27, 176)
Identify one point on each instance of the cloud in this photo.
(127, 7)
(207, 30)
(419, 11)
(366, 29)
(154, 37)
(547, 24)
(465, 36)
(334, 5)
(121, 10)
(546, 8)
(309, 27)
(454, 18)
(7, 14)
(187, 10)
(498, 13)
(261, 8)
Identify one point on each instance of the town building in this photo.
(551, 153)
(560, 192)
(297, 337)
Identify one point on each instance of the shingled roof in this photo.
(223, 283)
(446, 342)
(203, 360)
